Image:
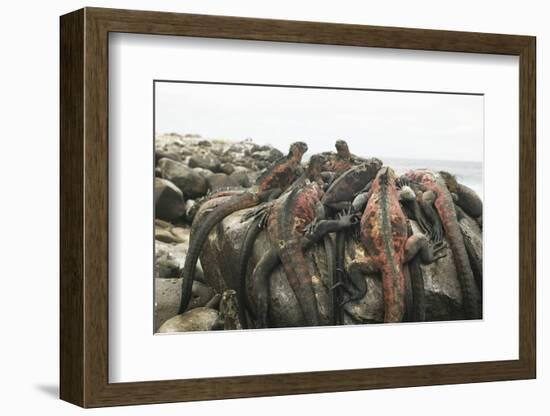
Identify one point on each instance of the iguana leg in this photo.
(252, 233)
(340, 206)
(427, 203)
(420, 245)
(408, 200)
(270, 260)
(356, 272)
(262, 273)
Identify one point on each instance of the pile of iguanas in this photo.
(336, 194)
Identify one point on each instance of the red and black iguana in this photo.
(276, 179)
(295, 222)
(343, 190)
(444, 205)
(384, 234)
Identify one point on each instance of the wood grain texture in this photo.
(84, 206)
(71, 213)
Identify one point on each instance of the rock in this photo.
(228, 168)
(205, 173)
(201, 295)
(443, 293)
(220, 267)
(191, 183)
(205, 161)
(172, 235)
(167, 298)
(164, 154)
(229, 310)
(267, 154)
(169, 259)
(242, 178)
(473, 240)
(162, 224)
(169, 202)
(181, 234)
(198, 319)
(221, 181)
(164, 235)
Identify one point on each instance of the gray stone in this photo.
(228, 168)
(162, 224)
(164, 154)
(181, 234)
(191, 183)
(220, 254)
(229, 310)
(205, 173)
(242, 178)
(169, 259)
(221, 181)
(473, 240)
(167, 298)
(205, 161)
(165, 235)
(169, 202)
(198, 319)
(172, 235)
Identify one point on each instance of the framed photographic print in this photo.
(255, 207)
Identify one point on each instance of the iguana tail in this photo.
(246, 252)
(471, 296)
(297, 272)
(236, 203)
(418, 291)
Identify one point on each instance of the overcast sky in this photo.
(374, 123)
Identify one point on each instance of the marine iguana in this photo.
(340, 162)
(349, 184)
(295, 222)
(445, 207)
(384, 234)
(271, 183)
(466, 198)
(339, 194)
(288, 233)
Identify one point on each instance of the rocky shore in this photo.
(188, 169)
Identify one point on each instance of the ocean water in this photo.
(467, 173)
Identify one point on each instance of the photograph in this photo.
(284, 206)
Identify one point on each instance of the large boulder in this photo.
(191, 183)
(221, 251)
(198, 319)
(169, 259)
(221, 181)
(169, 201)
(168, 296)
(205, 161)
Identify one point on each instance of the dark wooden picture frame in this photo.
(84, 207)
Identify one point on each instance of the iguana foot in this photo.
(256, 212)
(428, 251)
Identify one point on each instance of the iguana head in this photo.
(342, 149)
(386, 176)
(450, 181)
(297, 150)
(314, 167)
